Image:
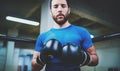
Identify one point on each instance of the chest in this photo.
(65, 37)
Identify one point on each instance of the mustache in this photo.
(60, 15)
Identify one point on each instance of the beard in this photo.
(60, 19)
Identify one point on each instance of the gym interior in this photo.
(17, 40)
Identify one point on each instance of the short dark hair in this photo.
(68, 3)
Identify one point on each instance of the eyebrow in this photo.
(58, 4)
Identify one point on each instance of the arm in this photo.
(94, 58)
(35, 65)
(89, 48)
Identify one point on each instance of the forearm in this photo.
(93, 55)
(35, 65)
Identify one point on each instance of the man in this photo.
(62, 52)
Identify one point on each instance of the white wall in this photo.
(109, 55)
(26, 54)
(2, 58)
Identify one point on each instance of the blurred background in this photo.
(17, 40)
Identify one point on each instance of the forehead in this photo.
(58, 2)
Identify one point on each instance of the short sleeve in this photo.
(39, 43)
(87, 40)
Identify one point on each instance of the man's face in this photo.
(60, 11)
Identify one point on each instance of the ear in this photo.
(69, 10)
(50, 12)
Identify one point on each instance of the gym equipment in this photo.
(75, 54)
(106, 37)
(52, 48)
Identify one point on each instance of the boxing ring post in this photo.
(106, 37)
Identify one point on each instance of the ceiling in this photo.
(100, 17)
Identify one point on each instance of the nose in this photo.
(59, 9)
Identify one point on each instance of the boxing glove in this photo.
(43, 59)
(74, 54)
(52, 48)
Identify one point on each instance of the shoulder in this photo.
(43, 35)
(80, 29)
(83, 32)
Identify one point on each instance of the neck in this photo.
(66, 24)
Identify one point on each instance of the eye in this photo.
(55, 6)
(63, 5)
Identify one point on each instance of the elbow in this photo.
(94, 62)
(97, 62)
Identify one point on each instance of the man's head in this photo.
(60, 10)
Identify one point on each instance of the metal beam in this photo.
(92, 14)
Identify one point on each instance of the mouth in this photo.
(60, 16)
